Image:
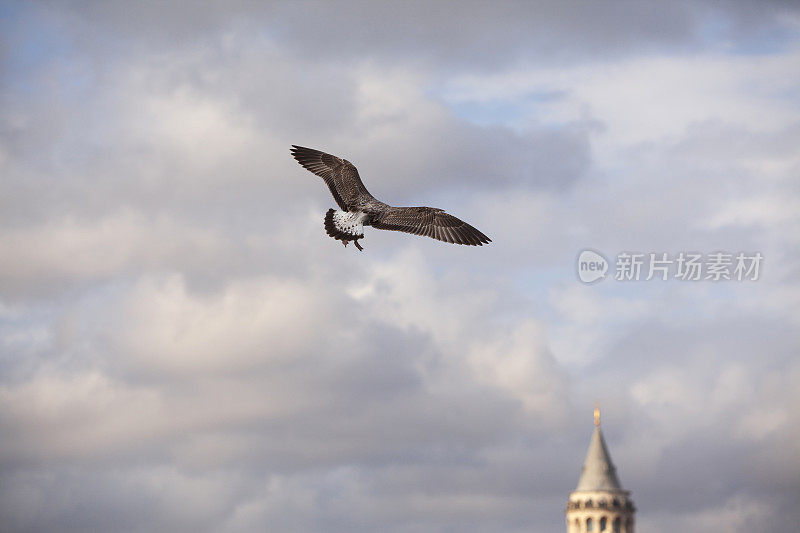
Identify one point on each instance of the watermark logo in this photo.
(683, 266)
(592, 266)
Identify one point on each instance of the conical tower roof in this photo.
(598, 471)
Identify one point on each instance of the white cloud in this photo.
(184, 349)
(521, 364)
(162, 327)
(69, 249)
(647, 99)
(76, 415)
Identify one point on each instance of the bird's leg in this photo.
(358, 245)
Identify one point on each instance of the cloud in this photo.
(183, 348)
(449, 35)
(62, 252)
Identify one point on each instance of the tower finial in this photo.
(596, 415)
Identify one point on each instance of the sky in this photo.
(183, 348)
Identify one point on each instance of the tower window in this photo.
(603, 522)
(616, 526)
(589, 524)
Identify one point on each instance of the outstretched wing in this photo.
(339, 174)
(430, 222)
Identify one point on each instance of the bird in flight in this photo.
(359, 208)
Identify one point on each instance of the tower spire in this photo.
(598, 471)
(599, 503)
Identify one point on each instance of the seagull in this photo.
(359, 208)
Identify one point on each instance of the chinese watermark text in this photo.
(682, 266)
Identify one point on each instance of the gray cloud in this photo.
(447, 34)
(183, 348)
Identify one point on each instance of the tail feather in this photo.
(343, 226)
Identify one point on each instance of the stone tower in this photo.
(599, 503)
